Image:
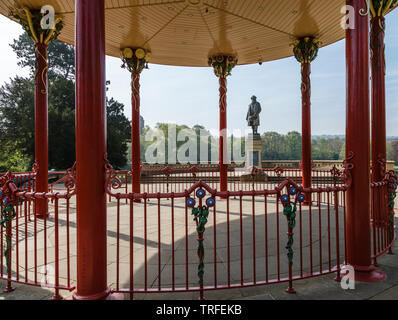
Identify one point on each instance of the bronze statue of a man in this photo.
(253, 115)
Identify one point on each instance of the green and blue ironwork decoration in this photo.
(289, 210)
(7, 215)
(31, 21)
(135, 60)
(223, 65)
(306, 49)
(201, 215)
(392, 194)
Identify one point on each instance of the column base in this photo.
(9, 289)
(106, 295)
(290, 291)
(369, 274)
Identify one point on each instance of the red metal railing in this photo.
(248, 236)
(243, 233)
(382, 214)
(36, 252)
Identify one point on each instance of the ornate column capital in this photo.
(379, 8)
(306, 49)
(223, 64)
(135, 59)
(32, 22)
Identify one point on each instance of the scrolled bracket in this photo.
(112, 181)
(348, 166)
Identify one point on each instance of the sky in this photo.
(190, 95)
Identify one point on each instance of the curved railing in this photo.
(253, 238)
(36, 252)
(383, 196)
(183, 235)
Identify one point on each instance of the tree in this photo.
(119, 131)
(394, 151)
(17, 119)
(17, 125)
(61, 57)
(327, 149)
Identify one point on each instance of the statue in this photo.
(253, 115)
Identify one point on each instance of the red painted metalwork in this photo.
(379, 133)
(358, 235)
(306, 127)
(378, 65)
(304, 269)
(90, 151)
(41, 128)
(382, 215)
(244, 214)
(22, 199)
(135, 133)
(223, 149)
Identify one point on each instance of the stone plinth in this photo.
(254, 145)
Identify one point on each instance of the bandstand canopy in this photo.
(187, 32)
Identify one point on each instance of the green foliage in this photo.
(17, 116)
(17, 120)
(281, 147)
(392, 151)
(327, 149)
(275, 146)
(119, 131)
(61, 57)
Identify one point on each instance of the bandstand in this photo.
(155, 230)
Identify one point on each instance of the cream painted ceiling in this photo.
(187, 32)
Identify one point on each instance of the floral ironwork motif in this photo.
(392, 194)
(201, 214)
(306, 49)
(223, 65)
(7, 213)
(289, 210)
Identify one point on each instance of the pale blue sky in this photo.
(190, 95)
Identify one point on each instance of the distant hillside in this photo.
(342, 137)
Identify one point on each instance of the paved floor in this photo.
(321, 288)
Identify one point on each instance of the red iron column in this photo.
(358, 236)
(90, 151)
(41, 128)
(223, 153)
(41, 33)
(135, 133)
(135, 60)
(379, 134)
(223, 65)
(305, 51)
(378, 9)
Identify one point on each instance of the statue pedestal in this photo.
(254, 146)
